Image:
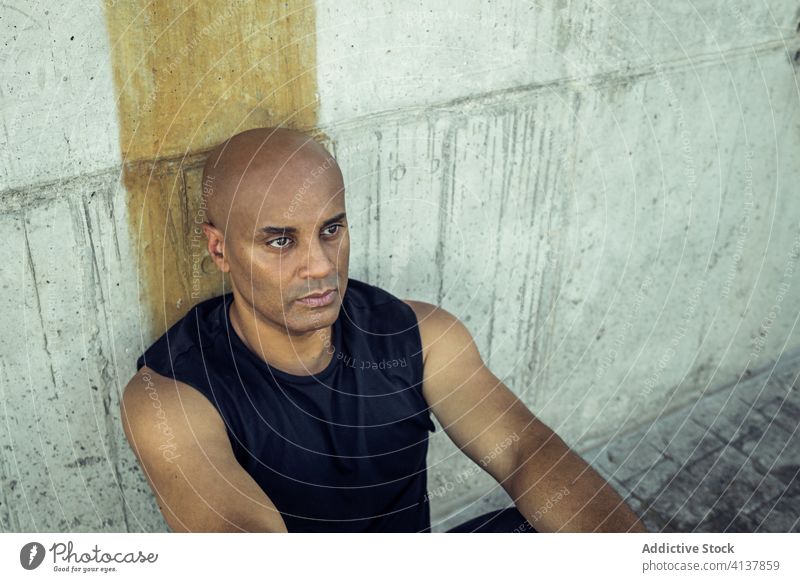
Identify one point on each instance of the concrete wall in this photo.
(59, 115)
(70, 328)
(601, 192)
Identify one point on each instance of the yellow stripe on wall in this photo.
(187, 76)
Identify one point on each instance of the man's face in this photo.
(293, 241)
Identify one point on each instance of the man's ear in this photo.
(216, 246)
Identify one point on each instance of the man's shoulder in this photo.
(430, 315)
(421, 309)
(438, 328)
(148, 386)
(198, 327)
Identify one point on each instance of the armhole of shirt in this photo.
(207, 393)
(418, 341)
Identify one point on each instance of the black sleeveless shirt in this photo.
(340, 451)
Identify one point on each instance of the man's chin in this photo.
(308, 319)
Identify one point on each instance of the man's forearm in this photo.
(556, 490)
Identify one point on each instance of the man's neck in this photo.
(301, 355)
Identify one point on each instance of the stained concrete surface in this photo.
(728, 463)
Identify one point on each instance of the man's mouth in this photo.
(319, 298)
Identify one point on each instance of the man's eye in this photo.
(278, 240)
(336, 226)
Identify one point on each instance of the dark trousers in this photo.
(508, 520)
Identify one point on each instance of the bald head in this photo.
(277, 224)
(257, 167)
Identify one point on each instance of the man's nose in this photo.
(318, 265)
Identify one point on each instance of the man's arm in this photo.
(184, 450)
(551, 486)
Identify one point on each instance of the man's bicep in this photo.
(477, 410)
(183, 448)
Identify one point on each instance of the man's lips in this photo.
(319, 293)
(319, 298)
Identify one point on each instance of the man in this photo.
(300, 400)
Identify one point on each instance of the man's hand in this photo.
(551, 485)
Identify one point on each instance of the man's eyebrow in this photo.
(293, 230)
